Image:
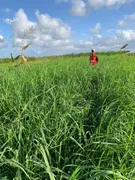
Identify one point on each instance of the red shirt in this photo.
(93, 60)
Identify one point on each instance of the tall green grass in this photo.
(64, 119)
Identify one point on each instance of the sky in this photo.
(56, 27)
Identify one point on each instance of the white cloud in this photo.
(50, 36)
(97, 42)
(96, 29)
(54, 26)
(127, 20)
(83, 44)
(8, 21)
(20, 23)
(107, 41)
(122, 23)
(44, 32)
(99, 36)
(3, 42)
(106, 3)
(126, 35)
(78, 8)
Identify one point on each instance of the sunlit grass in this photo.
(64, 119)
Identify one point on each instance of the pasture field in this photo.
(63, 119)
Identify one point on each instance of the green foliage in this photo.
(64, 119)
(12, 59)
(17, 57)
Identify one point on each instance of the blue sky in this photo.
(56, 27)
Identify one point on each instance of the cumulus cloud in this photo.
(126, 35)
(21, 23)
(42, 32)
(106, 3)
(122, 23)
(53, 26)
(96, 29)
(107, 41)
(8, 21)
(98, 42)
(78, 8)
(51, 36)
(99, 36)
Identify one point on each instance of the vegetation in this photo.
(64, 119)
(8, 60)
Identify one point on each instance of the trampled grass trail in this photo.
(64, 119)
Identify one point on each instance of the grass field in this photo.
(64, 119)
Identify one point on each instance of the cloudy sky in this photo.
(56, 27)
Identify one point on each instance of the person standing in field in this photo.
(93, 58)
